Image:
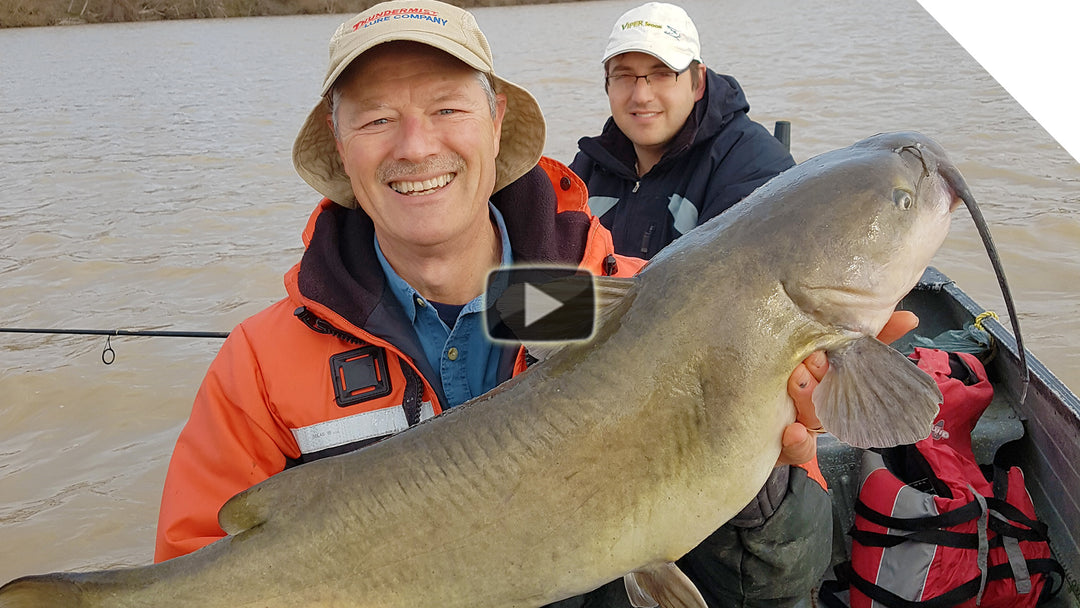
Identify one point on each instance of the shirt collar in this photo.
(408, 297)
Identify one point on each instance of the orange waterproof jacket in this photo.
(335, 365)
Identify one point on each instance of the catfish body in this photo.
(612, 457)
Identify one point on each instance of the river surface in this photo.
(146, 183)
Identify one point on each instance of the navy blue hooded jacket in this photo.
(716, 159)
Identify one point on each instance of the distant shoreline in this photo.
(38, 13)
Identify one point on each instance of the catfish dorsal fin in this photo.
(243, 511)
(610, 293)
(662, 585)
(610, 297)
(873, 396)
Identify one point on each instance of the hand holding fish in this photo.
(800, 444)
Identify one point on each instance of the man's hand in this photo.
(800, 437)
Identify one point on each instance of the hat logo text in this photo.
(667, 29)
(401, 13)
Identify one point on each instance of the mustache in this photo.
(397, 170)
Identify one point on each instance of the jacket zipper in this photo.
(320, 326)
(645, 239)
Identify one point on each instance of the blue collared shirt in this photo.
(465, 359)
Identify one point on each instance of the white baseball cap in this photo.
(662, 30)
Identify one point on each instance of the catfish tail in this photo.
(149, 586)
(42, 591)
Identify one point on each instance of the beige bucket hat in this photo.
(446, 28)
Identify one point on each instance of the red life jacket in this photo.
(930, 529)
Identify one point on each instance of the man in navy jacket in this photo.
(678, 150)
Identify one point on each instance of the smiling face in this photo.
(416, 136)
(650, 115)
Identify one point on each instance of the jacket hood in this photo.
(723, 99)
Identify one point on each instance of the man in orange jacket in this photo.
(431, 169)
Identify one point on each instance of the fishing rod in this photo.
(108, 355)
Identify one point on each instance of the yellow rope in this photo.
(989, 314)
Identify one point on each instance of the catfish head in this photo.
(856, 229)
(875, 215)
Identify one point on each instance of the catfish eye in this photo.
(902, 198)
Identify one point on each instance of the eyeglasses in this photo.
(658, 81)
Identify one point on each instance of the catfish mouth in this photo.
(865, 309)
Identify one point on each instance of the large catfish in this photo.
(612, 457)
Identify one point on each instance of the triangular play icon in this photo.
(538, 304)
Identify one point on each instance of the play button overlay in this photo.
(540, 304)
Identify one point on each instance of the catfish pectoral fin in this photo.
(873, 396)
(662, 585)
(639, 598)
